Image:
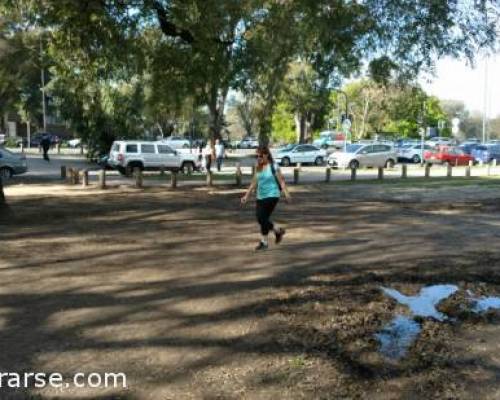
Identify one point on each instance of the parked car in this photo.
(249, 143)
(147, 155)
(439, 141)
(468, 147)
(412, 152)
(330, 139)
(300, 153)
(12, 164)
(177, 142)
(74, 143)
(364, 155)
(486, 153)
(37, 138)
(447, 155)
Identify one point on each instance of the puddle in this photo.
(424, 305)
(400, 333)
(485, 303)
(397, 336)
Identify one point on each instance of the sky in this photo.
(455, 80)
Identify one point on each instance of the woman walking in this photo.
(269, 183)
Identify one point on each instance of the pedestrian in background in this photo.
(45, 143)
(219, 153)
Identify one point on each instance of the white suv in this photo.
(127, 155)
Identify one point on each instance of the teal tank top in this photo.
(266, 183)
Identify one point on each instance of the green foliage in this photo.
(283, 128)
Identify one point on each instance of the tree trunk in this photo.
(300, 127)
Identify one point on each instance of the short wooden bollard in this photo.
(138, 177)
(76, 176)
(494, 162)
(353, 174)
(449, 171)
(69, 175)
(210, 178)
(173, 179)
(58, 148)
(102, 179)
(162, 171)
(380, 174)
(427, 170)
(296, 175)
(63, 172)
(239, 175)
(404, 171)
(85, 178)
(328, 176)
(467, 169)
(253, 171)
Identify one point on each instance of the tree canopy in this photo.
(119, 67)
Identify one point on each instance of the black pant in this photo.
(265, 208)
(46, 153)
(219, 162)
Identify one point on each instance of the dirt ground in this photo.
(165, 287)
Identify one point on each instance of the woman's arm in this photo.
(284, 188)
(249, 191)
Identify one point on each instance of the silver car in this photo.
(12, 164)
(364, 155)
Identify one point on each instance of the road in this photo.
(40, 169)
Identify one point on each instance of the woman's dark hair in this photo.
(265, 150)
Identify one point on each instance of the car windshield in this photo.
(353, 148)
(290, 147)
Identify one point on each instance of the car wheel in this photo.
(318, 161)
(122, 170)
(416, 159)
(5, 173)
(130, 168)
(285, 162)
(389, 163)
(354, 164)
(187, 168)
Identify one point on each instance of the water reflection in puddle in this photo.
(397, 336)
(485, 303)
(400, 333)
(424, 305)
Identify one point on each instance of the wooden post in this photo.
(427, 170)
(76, 176)
(353, 174)
(253, 171)
(58, 148)
(380, 173)
(296, 175)
(138, 177)
(404, 171)
(299, 166)
(63, 172)
(239, 175)
(162, 171)
(2, 195)
(69, 175)
(467, 170)
(328, 174)
(173, 179)
(210, 178)
(449, 170)
(102, 179)
(85, 178)
(494, 162)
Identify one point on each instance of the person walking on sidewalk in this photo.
(269, 184)
(45, 144)
(219, 153)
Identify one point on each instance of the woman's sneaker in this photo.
(279, 235)
(261, 246)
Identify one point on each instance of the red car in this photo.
(447, 155)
